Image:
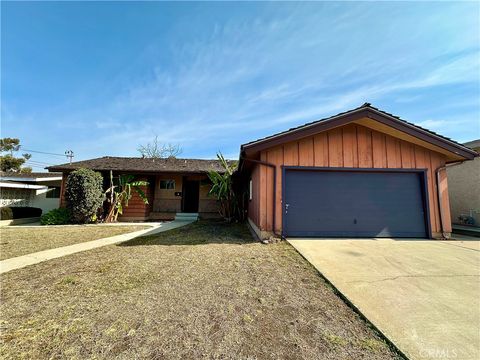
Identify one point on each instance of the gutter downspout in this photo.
(439, 194)
(274, 187)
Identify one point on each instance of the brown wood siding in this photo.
(352, 146)
(136, 207)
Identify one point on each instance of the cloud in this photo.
(247, 77)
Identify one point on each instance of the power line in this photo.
(37, 162)
(43, 152)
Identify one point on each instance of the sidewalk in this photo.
(35, 258)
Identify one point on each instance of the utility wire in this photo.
(43, 152)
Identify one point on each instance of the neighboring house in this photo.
(36, 189)
(361, 173)
(175, 185)
(464, 187)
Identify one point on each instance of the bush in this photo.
(59, 216)
(20, 212)
(84, 194)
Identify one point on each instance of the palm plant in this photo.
(222, 188)
(119, 195)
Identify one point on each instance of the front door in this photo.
(190, 196)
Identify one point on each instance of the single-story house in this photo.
(36, 189)
(464, 189)
(175, 185)
(361, 173)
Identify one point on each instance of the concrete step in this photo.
(186, 216)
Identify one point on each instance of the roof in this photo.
(474, 144)
(368, 111)
(136, 164)
(30, 177)
(17, 185)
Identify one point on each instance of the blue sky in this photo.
(102, 78)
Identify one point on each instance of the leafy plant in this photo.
(10, 163)
(119, 195)
(84, 194)
(222, 188)
(59, 216)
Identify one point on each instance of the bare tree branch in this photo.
(159, 151)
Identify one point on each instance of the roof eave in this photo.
(251, 149)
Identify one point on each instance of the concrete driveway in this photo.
(422, 294)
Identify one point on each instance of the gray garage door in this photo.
(353, 204)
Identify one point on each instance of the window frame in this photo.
(168, 183)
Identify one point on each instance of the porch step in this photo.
(186, 216)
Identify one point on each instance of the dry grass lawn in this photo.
(202, 291)
(20, 240)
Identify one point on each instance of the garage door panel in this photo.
(353, 204)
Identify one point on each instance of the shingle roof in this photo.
(171, 165)
(32, 175)
(365, 106)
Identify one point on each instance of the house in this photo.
(175, 185)
(34, 189)
(464, 189)
(361, 173)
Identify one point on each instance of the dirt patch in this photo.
(18, 240)
(203, 291)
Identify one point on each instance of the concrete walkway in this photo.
(422, 295)
(35, 258)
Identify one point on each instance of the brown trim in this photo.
(356, 114)
(421, 134)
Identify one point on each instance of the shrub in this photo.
(59, 216)
(6, 213)
(20, 212)
(84, 194)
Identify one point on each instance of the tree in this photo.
(119, 195)
(222, 189)
(84, 195)
(8, 162)
(159, 151)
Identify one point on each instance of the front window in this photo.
(167, 184)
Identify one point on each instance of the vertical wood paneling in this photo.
(320, 145)
(335, 148)
(305, 152)
(270, 157)
(350, 156)
(263, 192)
(349, 146)
(365, 156)
(393, 154)
(445, 205)
(407, 154)
(278, 161)
(434, 164)
(379, 151)
(290, 153)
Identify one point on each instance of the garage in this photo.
(362, 173)
(354, 203)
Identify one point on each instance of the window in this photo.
(53, 193)
(250, 189)
(167, 184)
